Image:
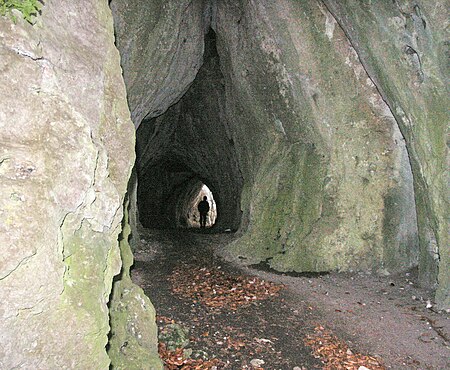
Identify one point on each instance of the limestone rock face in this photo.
(403, 47)
(190, 144)
(297, 137)
(312, 122)
(66, 151)
(325, 168)
(133, 340)
(161, 44)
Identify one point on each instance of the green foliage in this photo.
(28, 8)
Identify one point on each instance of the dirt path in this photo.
(180, 273)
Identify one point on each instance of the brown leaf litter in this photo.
(218, 289)
(335, 353)
(177, 360)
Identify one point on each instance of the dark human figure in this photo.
(203, 208)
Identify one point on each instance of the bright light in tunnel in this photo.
(193, 217)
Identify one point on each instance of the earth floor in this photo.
(211, 317)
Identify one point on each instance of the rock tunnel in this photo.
(188, 146)
(297, 145)
(319, 127)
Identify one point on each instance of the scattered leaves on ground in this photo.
(216, 288)
(176, 360)
(228, 348)
(335, 353)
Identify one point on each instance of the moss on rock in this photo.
(133, 342)
(323, 150)
(403, 48)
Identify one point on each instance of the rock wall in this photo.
(191, 142)
(323, 104)
(405, 50)
(322, 158)
(161, 44)
(133, 340)
(66, 152)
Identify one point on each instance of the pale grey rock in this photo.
(299, 137)
(161, 46)
(404, 47)
(306, 104)
(66, 151)
(316, 143)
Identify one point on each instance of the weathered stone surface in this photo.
(161, 45)
(311, 108)
(191, 143)
(404, 49)
(318, 148)
(66, 151)
(326, 182)
(133, 340)
(298, 136)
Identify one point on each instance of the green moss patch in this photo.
(29, 9)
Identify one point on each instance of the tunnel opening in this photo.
(189, 217)
(188, 152)
(254, 112)
(328, 184)
(292, 124)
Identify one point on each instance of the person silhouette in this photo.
(203, 209)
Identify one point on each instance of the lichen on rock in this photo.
(133, 342)
(66, 154)
(403, 48)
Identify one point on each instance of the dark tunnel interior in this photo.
(185, 148)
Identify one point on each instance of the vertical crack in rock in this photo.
(312, 153)
(189, 143)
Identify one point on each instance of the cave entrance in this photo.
(191, 218)
(188, 152)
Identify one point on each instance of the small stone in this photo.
(256, 362)
(187, 352)
(363, 368)
(383, 272)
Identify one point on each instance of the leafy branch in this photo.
(28, 8)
